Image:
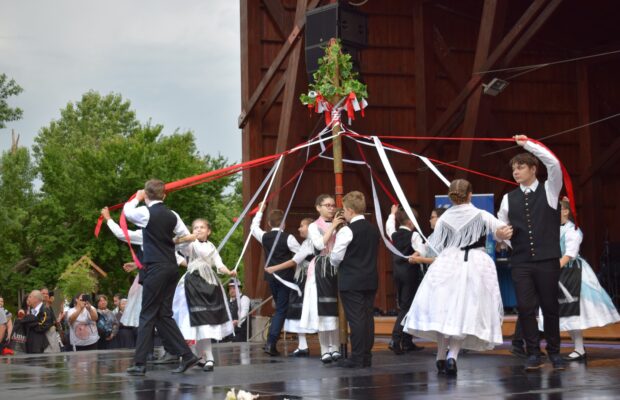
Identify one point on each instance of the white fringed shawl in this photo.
(462, 225)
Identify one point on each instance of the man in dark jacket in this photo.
(37, 322)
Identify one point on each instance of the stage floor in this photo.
(495, 374)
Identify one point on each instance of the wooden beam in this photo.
(251, 141)
(611, 153)
(456, 74)
(478, 107)
(273, 96)
(279, 16)
(591, 192)
(502, 49)
(292, 88)
(284, 51)
(424, 70)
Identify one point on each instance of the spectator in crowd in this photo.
(9, 322)
(126, 337)
(107, 325)
(53, 337)
(83, 324)
(117, 301)
(37, 322)
(3, 327)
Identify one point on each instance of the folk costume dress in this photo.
(200, 306)
(583, 301)
(320, 305)
(295, 304)
(459, 296)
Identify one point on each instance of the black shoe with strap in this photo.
(441, 367)
(575, 356)
(300, 353)
(451, 367)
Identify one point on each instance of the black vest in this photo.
(536, 226)
(281, 254)
(358, 269)
(402, 241)
(158, 246)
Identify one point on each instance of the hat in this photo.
(233, 281)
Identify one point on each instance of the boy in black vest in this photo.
(532, 210)
(282, 247)
(355, 255)
(159, 227)
(407, 277)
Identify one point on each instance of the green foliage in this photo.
(96, 154)
(335, 77)
(77, 278)
(8, 88)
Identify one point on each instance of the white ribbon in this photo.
(397, 189)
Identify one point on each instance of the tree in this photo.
(8, 88)
(97, 153)
(17, 199)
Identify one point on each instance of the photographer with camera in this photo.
(83, 324)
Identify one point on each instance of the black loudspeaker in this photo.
(334, 21)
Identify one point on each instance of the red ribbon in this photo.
(349, 106)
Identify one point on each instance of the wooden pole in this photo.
(339, 192)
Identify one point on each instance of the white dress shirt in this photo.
(572, 239)
(315, 235)
(35, 311)
(243, 308)
(417, 243)
(306, 249)
(343, 238)
(553, 184)
(140, 216)
(134, 235)
(257, 232)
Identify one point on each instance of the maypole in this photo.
(336, 88)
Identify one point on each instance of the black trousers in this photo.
(536, 284)
(358, 308)
(160, 281)
(406, 282)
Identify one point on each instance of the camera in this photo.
(86, 298)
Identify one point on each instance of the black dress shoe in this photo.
(326, 358)
(396, 347)
(167, 358)
(412, 347)
(186, 364)
(451, 367)
(367, 363)
(557, 362)
(533, 363)
(136, 370)
(271, 349)
(441, 366)
(300, 353)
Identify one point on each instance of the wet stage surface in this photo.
(495, 374)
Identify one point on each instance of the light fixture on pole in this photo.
(495, 87)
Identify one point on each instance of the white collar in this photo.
(275, 229)
(532, 187)
(404, 227)
(356, 218)
(38, 308)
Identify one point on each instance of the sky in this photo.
(177, 62)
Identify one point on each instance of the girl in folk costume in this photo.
(320, 306)
(200, 306)
(458, 302)
(583, 302)
(300, 261)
